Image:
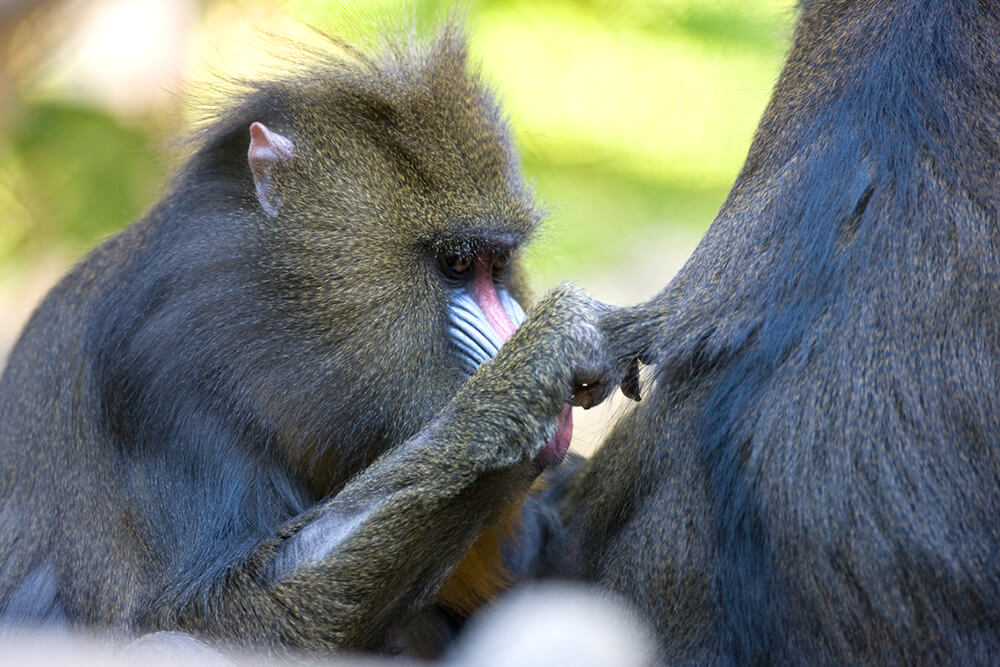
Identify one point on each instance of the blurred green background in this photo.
(633, 116)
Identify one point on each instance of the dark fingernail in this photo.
(630, 383)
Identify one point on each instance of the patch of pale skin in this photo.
(36, 599)
(267, 150)
(317, 540)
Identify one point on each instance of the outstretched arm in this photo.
(343, 573)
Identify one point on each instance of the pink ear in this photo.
(267, 149)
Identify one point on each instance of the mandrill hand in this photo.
(557, 359)
(627, 332)
(575, 317)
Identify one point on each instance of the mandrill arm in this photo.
(344, 572)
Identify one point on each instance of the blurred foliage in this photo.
(70, 175)
(633, 117)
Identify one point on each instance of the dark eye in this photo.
(455, 267)
(500, 260)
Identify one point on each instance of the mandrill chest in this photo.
(481, 575)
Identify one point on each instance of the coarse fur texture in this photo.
(250, 423)
(815, 476)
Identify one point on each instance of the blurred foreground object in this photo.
(548, 625)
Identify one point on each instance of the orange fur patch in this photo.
(481, 575)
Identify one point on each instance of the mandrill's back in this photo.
(123, 462)
(63, 476)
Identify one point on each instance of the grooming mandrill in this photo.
(250, 415)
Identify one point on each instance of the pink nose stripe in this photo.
(485, 295)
